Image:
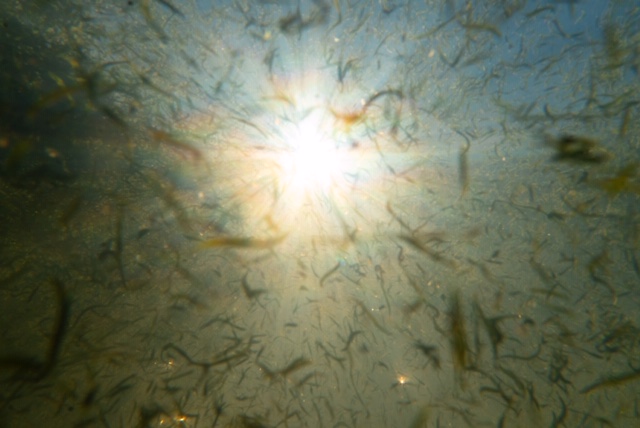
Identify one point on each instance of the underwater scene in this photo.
(319, 213)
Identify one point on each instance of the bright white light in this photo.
(312, 162)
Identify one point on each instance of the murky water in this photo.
(379, 214)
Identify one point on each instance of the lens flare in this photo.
(312, 161)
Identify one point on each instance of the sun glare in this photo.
(312, 162)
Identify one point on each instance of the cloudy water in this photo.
(319, 213)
